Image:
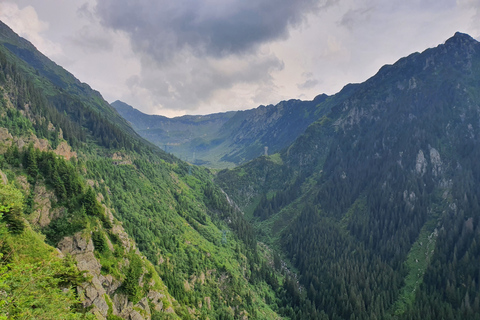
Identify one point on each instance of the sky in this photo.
(205, 56)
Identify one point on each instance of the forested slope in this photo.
(378, 209)
(156, 238)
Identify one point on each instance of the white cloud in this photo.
(25, 22)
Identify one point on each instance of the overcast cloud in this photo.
(215, 28)
(204, 56)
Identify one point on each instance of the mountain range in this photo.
(226, 139)
(365, 205)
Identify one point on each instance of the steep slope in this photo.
(378, 209)
(157, 238)
(52, 78)
(227, 139)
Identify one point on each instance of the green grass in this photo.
(417, 262)
(276, 158)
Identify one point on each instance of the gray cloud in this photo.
(308, 84)
(193, 51)
(186, 84)
(354, 16)
(214, 28)
(90, 41)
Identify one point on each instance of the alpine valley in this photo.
(365, 205)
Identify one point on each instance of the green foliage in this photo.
(99, 241)
(11, 206)
(35, 286)
(89, 202)
(132, 276)
(357, 226)
(172, 209)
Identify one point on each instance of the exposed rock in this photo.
(43, 212)
(121, 159)
(91, 183)
(201, 279)
(156, 299)
(118, 230)
(409, 199)
(208, 301)
(3, 178)
(5, 139)
(41, 144)
(75, 245)
(436, 162)
(121, 303)
(143, 304)
(186, 286)
(127, 310)
(117, 156)
(81, 249)
(134, 315)
(109, 283)
(109, 244)
(22, 180)
(63, 149)
(412, 83)
(469, 225)
(101, 288)
(421, 164)
(108, 213)
(94, 296)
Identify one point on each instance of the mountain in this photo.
(370, 211)
(98, 223)
(181, 135)
(376, 204)
(227, 139)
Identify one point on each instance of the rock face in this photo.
(3, 178)
(101, 287)
(80, 246)
(436, 162)
(156, 299)
(5, 139)
(63, 149)
(421, 164)
(43, 212)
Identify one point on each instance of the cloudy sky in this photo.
(203, 56)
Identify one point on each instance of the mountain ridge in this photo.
(145, 226)
(226, 139)
(370, 211)
(383, 173)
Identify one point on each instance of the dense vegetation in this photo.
(386, 224)
(203, 248)
(371, 213)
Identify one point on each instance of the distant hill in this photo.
(226, 139)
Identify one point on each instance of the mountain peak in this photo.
(460, 38)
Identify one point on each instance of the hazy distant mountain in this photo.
(226, 139)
